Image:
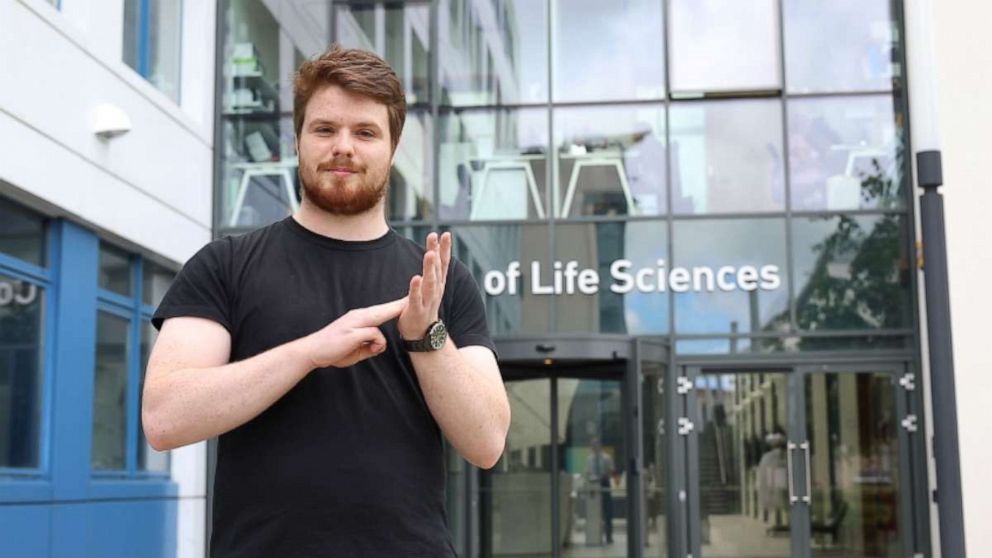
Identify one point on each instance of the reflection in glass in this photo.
(516, 494)
(489, 252)
(21, 307)
(611, 161)
(655, 471)
(845, 153)
(624, 32)
(115, 270)
(155, 282)
(152, 42)
(852, 272)
(743, 477)
(724, 45)
(165, 45)
(110, 393)
(260, 183)
(853, 431)
(727, 156)
(456, 497)
(259, 56)
(410, 190)
(399, 33)
(593, 480)
(845, 45)
(730, 276)
(149, 459)
(493, 164)
(22, 234)
(493, 52)
(626, 298)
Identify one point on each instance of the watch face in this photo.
(437, 335)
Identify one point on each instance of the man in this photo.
(599, 472)
(315, 349)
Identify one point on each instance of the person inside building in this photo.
(328, 353)
(599, 472)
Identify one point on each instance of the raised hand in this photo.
(353, 337)
(426, 289)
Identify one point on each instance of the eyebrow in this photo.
(325, 122)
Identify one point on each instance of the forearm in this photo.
(188, 405)
(470, 407)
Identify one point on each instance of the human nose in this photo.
(343, 145)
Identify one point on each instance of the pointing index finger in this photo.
(381, 313)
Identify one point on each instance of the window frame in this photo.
(45, 278)
(142, 46)
(133, 309)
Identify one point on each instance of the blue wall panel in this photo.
(123, 529)
(75, 358)
(64, 511)
(24, 531)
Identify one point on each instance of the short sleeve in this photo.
(202, 287)
(466, 312)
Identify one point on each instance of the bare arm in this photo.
(465, 393)
(192, 393)
(463, 387)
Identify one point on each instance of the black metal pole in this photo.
(944, 401)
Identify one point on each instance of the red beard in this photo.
(349, 195)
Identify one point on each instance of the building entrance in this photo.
(613, 440)
(573, 480)
(807, 461)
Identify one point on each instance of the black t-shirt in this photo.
(350, 461)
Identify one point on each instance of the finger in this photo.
(431, 241)
(380, 313)
(416, 295)
(370, 338)
(445, 256)
(430, 278)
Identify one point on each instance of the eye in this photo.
(366, 133)
(324, 130)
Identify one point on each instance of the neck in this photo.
(364, 226)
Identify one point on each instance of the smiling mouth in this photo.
(341, 171)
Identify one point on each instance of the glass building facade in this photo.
(711, 194)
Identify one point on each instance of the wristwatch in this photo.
(433, 340)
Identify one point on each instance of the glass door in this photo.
(561, 488)
(855, 460)
(737, 430)
(804, 462)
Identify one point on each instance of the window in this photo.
(129, 289)
(24, 283)
(153, 42)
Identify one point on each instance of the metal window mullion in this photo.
(434, 79)
(144, 35)
(551, 165)
(114, 309)
(555, 481)
(786, 174)
(24, 271)
(134, 369)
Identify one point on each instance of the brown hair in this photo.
(357, 71)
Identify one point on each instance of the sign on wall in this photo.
(567, 278)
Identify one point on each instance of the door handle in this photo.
(809, 473)
(788, 465)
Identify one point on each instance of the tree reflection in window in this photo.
(860, 277)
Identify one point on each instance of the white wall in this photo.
(963, 61)
(150, 189)
(152, 186)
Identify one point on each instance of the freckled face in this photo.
(345, 151)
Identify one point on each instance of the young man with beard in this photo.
(328, 353)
